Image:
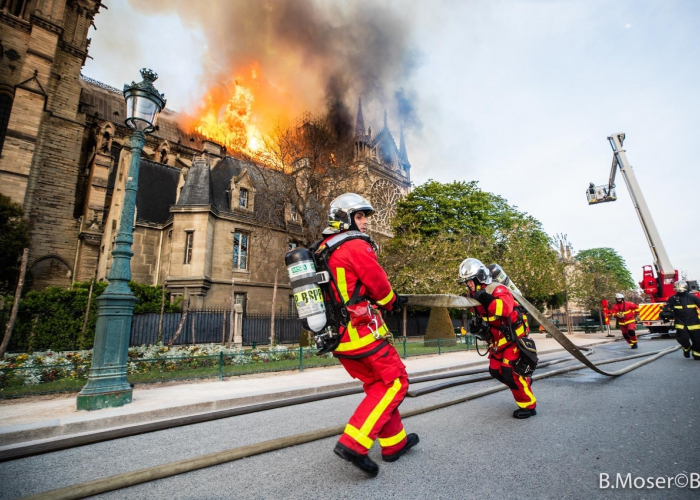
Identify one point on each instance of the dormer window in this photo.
(293, 214)
(243, 198)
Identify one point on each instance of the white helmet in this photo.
(344, 207)
(619, 296)
(680, 286)
(473, 269)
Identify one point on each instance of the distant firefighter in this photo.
(624, 311)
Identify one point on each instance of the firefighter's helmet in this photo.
(619, 296)
(473, 269)
(680, 286)
(343, 209)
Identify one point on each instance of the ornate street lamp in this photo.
(107, 385)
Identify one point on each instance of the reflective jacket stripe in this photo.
(623, 323)
(357, 342)
(499, 307)
(342, 284)
(386, 299)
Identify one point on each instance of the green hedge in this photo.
(56, 315)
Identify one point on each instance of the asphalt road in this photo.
(644, 424)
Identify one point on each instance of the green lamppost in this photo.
(107, 386)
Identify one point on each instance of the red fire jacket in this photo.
(627, 309)
(355, 261)
(499, 309)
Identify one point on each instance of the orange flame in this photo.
(238, 113)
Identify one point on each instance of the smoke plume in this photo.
(311, 55)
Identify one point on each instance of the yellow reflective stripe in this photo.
(391, 441)
(693, 327)
(678, 325)
(626, 322)
(357, 435)
(502, 341)
(381, 407)
(342, 284)
(357, 342)
(499, 307)
(695, 353)
(528, 392)
(678, 307)
(489, 318)
(520, 331)
(386, 299)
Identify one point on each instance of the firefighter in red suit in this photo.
(499, 322)
(624, 312)
(364, 348)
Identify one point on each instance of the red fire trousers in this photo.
(500, 368)
(385, 383)
(629, 333)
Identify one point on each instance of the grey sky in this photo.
(517, 95)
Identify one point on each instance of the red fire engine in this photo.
(656, 287)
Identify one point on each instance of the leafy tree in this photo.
(598, 274)
(438, 225)
(53, 318)
(458, 207)
(609, 260)
(14, 237)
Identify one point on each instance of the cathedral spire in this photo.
(360, 124)
(385, 120)
(403, 155)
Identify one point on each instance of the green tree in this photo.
(598, 274)
(14, 237)
(438, 225)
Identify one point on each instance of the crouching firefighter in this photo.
(498, 321)
(352, 286)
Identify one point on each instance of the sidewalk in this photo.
(36, 418)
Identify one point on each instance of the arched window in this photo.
(5, 108)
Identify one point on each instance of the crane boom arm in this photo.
(661, 260)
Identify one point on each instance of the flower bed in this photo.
(145, 363)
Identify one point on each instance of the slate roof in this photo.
(157, 191)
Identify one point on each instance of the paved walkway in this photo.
(44, 417)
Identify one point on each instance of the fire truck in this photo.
(657, 281)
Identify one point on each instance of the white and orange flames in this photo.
(239, 113)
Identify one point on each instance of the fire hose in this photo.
(132, 478)
(124, 480)
(455, 301)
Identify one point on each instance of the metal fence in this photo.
(206, 326)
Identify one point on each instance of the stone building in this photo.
(199, 224)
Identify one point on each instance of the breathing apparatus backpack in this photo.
(314, 287)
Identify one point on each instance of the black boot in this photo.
(411, 441)
(362, 462)
(634, 346)
(686, 352)
(524, 413)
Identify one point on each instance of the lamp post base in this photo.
(103, 400)
(107, 386)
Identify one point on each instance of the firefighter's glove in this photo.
(484, 298)
(399, 303)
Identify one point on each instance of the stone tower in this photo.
(43, 46)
